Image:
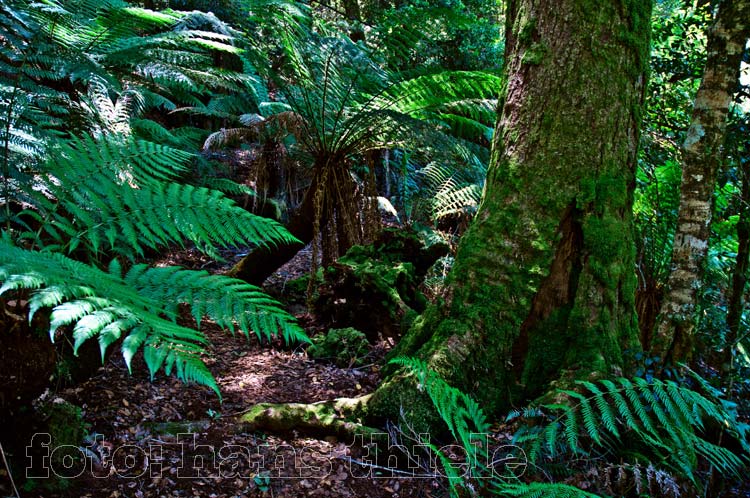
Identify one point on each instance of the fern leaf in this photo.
(542, 490)
(142, 306)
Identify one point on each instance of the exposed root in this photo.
(325, 417)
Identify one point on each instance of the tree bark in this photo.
(262, 261)
(739, 278)
(543, 285)
(353, 13)
(702, 154)
(338, 214)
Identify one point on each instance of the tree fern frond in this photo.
(227, 186)
(240, 301)
(142, 306)
(225, 137)
(115, 192)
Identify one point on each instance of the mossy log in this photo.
(339, 417)
(374, 288)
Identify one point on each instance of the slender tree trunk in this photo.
(702, 153)
(739, 278)
(543, 286)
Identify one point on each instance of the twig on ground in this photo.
(10, 475)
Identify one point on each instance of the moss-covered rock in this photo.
(345, 347)
(64, 422)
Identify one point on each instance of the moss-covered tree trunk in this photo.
(702, 153)
(543, 284)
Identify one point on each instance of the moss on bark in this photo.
(543, 286)
(340, 417)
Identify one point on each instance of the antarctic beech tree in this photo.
(543, 284)
(702, 153)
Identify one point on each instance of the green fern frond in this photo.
(662, 415)
(114, 191)
(140, 307)
(227, 186)
(460, 412)
(541, 490)
(224, 300)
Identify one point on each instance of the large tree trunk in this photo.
(543, 284)
(702, 153)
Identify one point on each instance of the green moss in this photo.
(298, 285)
(603, 237)
(64, 422)
(612, 191)
(396, 281)
(535, 54)
(639, 13)
(528, 31)
(548, 344)
(401, 401)
(346, 347)
(408, 320)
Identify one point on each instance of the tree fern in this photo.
(140, 307)
(338, 106)
(112, 195)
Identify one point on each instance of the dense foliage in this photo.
(117, 121)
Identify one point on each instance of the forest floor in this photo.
(136, 422)
(161, 438)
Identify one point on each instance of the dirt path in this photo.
(135, 421)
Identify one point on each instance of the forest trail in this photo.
(138, 416)
(143, 418)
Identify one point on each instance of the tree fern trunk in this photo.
(352, 11)
(702, 153)
(338, 215)
(543, 284)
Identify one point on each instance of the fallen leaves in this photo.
(132, 411)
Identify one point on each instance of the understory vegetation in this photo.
(303, 173)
